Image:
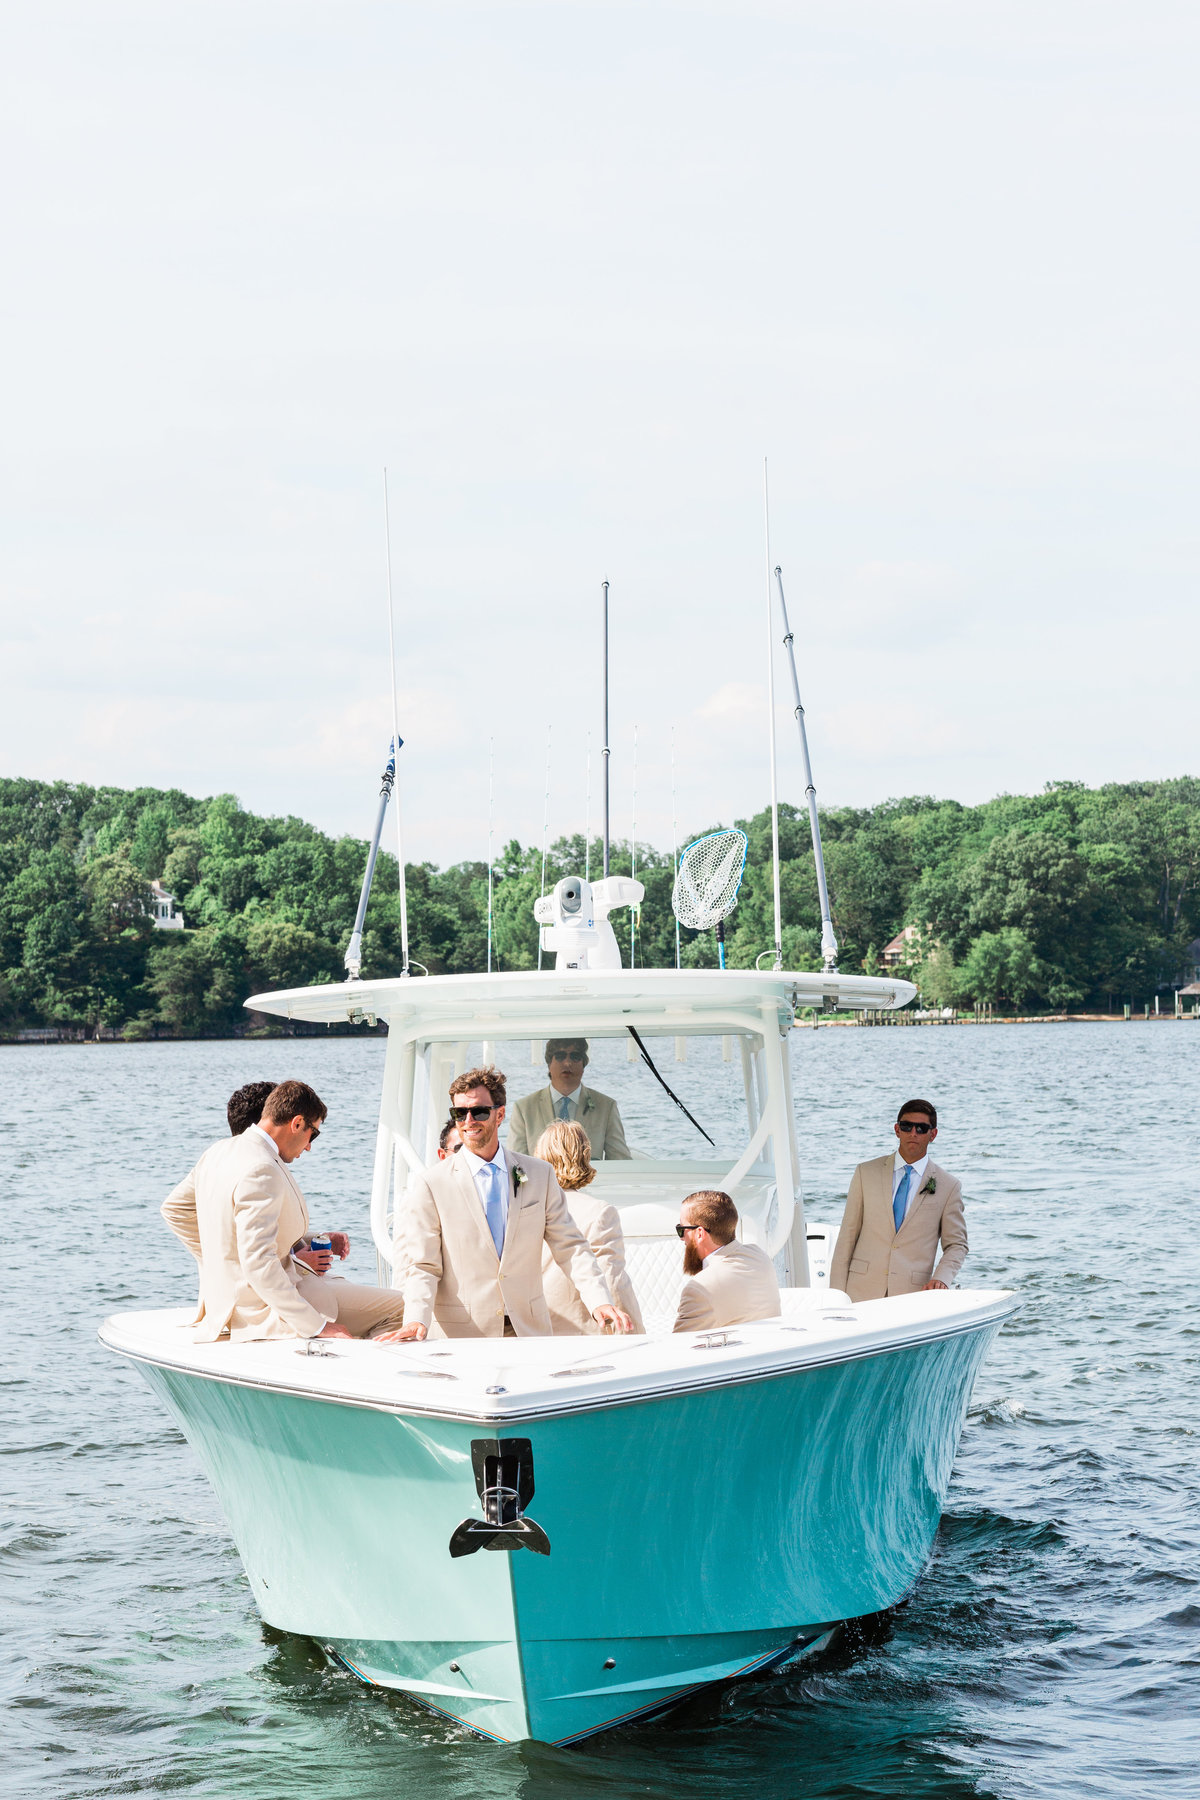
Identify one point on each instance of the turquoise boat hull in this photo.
(693, 1536)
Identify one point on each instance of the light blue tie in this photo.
(564, 1108)
(493, 1206)
(900, 1199)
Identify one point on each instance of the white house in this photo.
(163, 910)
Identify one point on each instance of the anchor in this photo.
(504, 1479)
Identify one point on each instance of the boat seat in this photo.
(655, 1268)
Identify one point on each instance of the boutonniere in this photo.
(930, 1186)
(519, 1177)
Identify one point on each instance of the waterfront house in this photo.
(163, 910)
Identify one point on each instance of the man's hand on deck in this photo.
(613, 1317)
(333, 1329)
(933, 1284)
(404, 1334)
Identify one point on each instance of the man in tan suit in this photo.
(566, 1098)
(474, 1227)
(242, 1214)
(898, 1209)
(727, 1283)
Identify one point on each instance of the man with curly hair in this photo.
(473, 1229)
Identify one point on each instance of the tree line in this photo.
(1074, 898)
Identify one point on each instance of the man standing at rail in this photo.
(474, 1227)
(900, 1206)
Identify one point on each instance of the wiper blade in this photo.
(649, 1062)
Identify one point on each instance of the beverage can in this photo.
(320, 1243)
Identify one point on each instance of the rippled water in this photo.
(1052, 1648)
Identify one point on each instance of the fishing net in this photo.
(710, 874)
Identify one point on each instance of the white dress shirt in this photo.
(917, 1183)
(572, 1100)
(268, 1139)
(478, 1167)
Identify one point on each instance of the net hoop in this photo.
(710, 874)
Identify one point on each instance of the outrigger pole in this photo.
(396, 738)
(605, 752)
(829, 943)
(354, 948)
(771, 731)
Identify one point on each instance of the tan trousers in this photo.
(360, 1310)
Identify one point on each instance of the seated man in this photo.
(566, 1098)
(898, 1207)
(242, 1215)
(449, 1140)
(474, 1227)
(728, 1283)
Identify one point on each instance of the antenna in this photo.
(491, 820)
(396, 739)
(829, 943)
(605, 752)
(587, 814)
(545, 832)
(771, 730)
(353, 958)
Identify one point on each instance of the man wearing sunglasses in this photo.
(726, 1283)
(899, 1208)
(566, 1098)
(473, 1229)
(242, 1214)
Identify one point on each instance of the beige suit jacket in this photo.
(239, 1212)
(454, 1277)
(871, 1259)
(600, 1224)
(736, 1284)
(597, 1113)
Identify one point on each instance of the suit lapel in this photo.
(517, 1204)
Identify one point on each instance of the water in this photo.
(1052, 1648)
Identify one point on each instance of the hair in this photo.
(489, 1078)
(564, 1145)
(246, 1104)
(292, 1100)
(444, 1134)
(575, 1043)
(925, 1106)
(716, 1212)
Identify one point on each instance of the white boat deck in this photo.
(504, 1381)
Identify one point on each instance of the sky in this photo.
(571, 273)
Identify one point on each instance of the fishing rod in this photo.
(829, 943)
(353, 958)
(649, 1062)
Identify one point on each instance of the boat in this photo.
(545, 1537)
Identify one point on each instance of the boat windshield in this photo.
(617, 1098)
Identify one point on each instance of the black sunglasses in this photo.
(314, 1132)
(911, 1125)
(460, 1114)
(680, 1229)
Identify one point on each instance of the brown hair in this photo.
(564, 1145)
(925, 1106)
(489, 1078)
(444, 1134)
(292, 1100)
(716, 1212)
(246, 1104)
